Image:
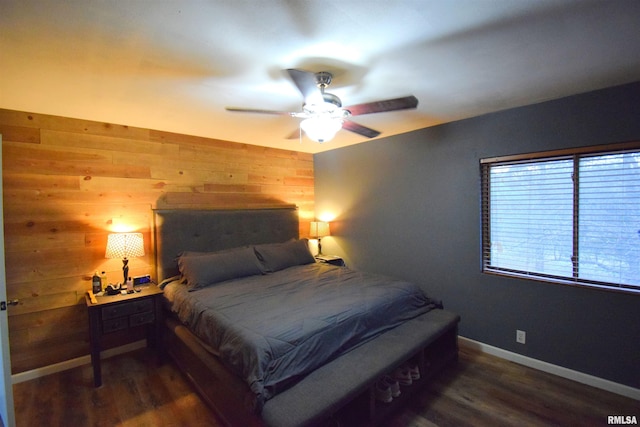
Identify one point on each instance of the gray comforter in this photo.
(273, 329)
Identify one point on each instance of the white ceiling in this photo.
(174, 65)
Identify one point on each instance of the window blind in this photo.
(571, 218)
(609, 221)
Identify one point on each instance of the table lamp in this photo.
(125, 246)
(318, 230)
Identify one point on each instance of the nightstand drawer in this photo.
(118, 310)
(113, 325)
(142, 305)
(125, 309)
(141, 318)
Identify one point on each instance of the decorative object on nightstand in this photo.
(110, 314)
(318, 230)
(125, 246)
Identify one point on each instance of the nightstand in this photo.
(114, 313)
(331, 259)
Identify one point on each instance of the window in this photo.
(568, 217)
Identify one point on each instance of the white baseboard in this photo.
(570, 374)
(73, 363)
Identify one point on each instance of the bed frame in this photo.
(341, 389)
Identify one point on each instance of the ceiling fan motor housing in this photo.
(323, 79)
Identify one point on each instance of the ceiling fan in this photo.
(322, 112)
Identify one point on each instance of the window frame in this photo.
(572, 153)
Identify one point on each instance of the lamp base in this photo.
(125, 270)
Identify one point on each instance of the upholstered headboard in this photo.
(181, 230)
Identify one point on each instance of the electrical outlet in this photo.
(521, 336)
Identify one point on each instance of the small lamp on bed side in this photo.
(318, 230)
(125, 245)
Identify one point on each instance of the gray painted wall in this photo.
(409, 206)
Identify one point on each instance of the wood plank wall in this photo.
(68, 183)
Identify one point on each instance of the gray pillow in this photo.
(278, 256)
(203, 269)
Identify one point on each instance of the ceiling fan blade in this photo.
(306, 83)
(359, 129)
(259, 111)
(382, 106)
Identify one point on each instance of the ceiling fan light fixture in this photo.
(321, 129)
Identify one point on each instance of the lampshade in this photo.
(125, 245)
(321, 128)
(319, 229)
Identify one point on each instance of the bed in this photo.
(268, 336)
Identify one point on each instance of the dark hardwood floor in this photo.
(480, 390)
(134, 392)
(484, 390)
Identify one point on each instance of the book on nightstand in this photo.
(331, 259)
